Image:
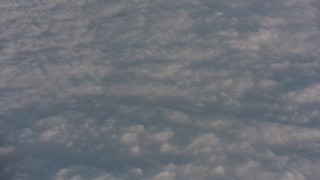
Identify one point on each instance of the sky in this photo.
(159, 89)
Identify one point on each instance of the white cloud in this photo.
(164, 175)
(81, 172)
(204, 144)
(159, 89)
(307, 95)
(280, 135)
(254, 41)
(162, 136)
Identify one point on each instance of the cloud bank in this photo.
(140, 89)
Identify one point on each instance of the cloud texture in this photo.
(160, 90)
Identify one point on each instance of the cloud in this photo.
(6, 150)
(159, 89)
(81, 172)
(307, 95)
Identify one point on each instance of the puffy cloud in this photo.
(307, 95)
(159, 89)
(81, 172)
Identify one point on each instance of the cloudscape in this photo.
(159, 89)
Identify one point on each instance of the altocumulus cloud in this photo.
(140, 89)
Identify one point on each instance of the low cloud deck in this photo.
(159, 89)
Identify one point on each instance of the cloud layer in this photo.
(140, 89)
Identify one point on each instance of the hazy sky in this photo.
(159, 89)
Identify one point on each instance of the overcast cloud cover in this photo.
(160, 89)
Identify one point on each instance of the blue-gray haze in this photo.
(160, 89)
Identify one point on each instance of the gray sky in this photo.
(159, 89)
